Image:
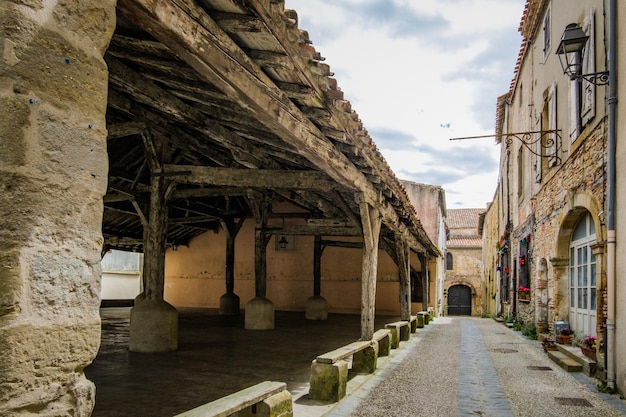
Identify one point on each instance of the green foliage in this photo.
(530, 330)
(517, 325)
(604, 388)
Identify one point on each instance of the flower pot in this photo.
(564, 340)
(548, 346)
(588, 352)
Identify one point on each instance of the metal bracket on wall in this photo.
(542, 143)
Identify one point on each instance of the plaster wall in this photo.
(194, 275)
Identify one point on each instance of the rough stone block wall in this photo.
(53, 174)
(582, 173)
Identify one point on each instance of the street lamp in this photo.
(569, 50)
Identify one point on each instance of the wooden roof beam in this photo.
(250, 178)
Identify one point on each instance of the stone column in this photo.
(53, 174)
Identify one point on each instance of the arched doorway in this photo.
(582, 277)
(459, 300)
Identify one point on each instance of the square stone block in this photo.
(364, 361)
(328, 382)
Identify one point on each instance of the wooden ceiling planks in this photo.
(236, 86)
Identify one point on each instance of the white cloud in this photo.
(419, 73)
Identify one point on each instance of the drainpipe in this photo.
(611, 235)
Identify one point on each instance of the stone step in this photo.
(574, 353)
(564, 361)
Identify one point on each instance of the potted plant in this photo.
(565, 336)
(588, 347)
(523, 293)
(548, 344)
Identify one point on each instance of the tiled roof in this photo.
(463, 218)
(465, 243)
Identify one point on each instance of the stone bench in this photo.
(383, 338)
(329, 372)
(422, 319)
(399, 332)
(413, 323)
(265, 399)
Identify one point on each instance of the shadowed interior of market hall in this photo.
(216, 356)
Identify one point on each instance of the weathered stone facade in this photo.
(553, 178)
(464, 248)
(53, 165)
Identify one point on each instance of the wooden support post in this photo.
(229, 302)
(154, 322)
(261, 239)
(317, 266)
(371, 222)
(260, 310)
(403, 256)
(425, 286)
(155, 239)
(317, 306)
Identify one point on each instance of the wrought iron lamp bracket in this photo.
(596, 78)
(549, 141)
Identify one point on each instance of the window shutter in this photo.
(588, 111)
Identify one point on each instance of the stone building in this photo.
(430, 205)
(142, 125)
(464, 263)
(556, 252)
(488, 228)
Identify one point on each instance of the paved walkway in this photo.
(453, 367)
(476, 367)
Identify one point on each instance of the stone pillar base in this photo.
(259, 314)
(328, 382)
(153, 326)
(229, 305)
(316, 308)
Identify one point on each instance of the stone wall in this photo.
(578, 185)
(467, 270)
(53, 174)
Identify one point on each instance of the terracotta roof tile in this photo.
(463, 218)
(465, 243)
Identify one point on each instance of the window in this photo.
(587, 102)
(524, 261)
(548, 145)
(582, 92)
(520, 173)
(449, 261)
(546, 33)
(582, 277)
(417, 286)
(504, 277)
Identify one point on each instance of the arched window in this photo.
(582, 277)
(449, 261)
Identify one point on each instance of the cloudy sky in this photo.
(419, 72)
